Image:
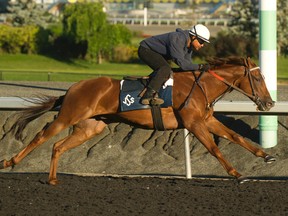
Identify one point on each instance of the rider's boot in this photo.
(151, 97)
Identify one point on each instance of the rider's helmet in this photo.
(201, 32)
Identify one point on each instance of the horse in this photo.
(89, 105)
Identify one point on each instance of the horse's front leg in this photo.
(221, 130)
(201, 132)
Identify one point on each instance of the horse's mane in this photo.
(216, 62)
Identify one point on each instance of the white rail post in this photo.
(268, 125)
(145, 16)
(187, 154)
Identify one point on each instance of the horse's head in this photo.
(253, 84)
(249, 80)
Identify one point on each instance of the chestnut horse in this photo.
(90, 105)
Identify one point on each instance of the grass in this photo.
(41, 68)
(282, 67)
(35, 67)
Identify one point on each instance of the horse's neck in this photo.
(212, 87)
(230, 75)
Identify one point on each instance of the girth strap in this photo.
(157, 117)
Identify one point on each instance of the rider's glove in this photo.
(204, 67)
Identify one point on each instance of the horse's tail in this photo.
(43, 104)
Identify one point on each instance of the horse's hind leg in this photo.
(221, 130)
(47, 132)
(82, 131)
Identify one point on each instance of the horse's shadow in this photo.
(240, 127)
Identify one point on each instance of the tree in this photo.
(87, 26)
(19, 39)
(282, 25)
(245, 21)
(243, 28)
(85, 23)
(245, 18)
(27, 12)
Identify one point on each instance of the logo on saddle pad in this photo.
(130, 98)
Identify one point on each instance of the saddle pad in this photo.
(130, 99)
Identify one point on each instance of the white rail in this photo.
(225, 107)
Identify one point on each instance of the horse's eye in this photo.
(258, 76)
(258, 79)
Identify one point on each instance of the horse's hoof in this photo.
(242, 179)
(53, 182)
(269, 159)
(2, 164)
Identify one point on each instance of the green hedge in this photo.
(16, 40)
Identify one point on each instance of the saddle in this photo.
(131, 90)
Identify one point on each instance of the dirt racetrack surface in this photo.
(28, 194)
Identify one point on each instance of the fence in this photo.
(176, 21)
(221, 107)
(50, 76)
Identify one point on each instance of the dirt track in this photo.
(27, 194)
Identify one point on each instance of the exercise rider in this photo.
(177, 46)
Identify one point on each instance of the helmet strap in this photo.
(192, 38)
(195, 32)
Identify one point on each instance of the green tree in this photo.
(28, 12)
(19, 39)
(225, 45)
(85, 24)
(243, 28)
(282, 27)
(244, 15)
(245, 21)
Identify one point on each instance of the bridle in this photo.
(254, 97)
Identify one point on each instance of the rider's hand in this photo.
(204, 67)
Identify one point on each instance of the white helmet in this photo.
(201, 31)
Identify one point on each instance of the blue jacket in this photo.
(173, 46)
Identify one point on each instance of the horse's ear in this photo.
(247, 61)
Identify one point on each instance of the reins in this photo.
(231, 85)
(192, 89)
(253, 96)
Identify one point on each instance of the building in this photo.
(132, 4)
(170, 8)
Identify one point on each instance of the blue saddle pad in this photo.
(130, 99)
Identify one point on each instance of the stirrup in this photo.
(150, 97)
(145, 101)
(156, 101)
(152, 101)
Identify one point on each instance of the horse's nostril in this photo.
(270, 104)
